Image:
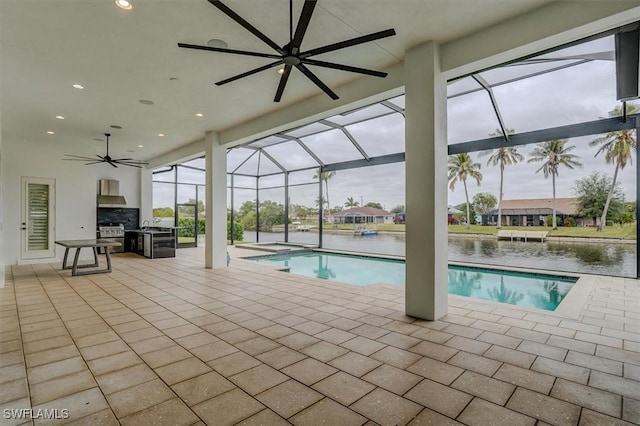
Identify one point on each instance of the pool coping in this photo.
(295, 247)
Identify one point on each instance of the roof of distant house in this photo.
(363, 211)
(538, 206)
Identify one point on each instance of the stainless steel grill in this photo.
(115, 233)
(112, 231)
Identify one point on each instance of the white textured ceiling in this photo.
(122, 57)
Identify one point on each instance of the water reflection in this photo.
(503, 294)
(463, 283)
(514, 288)
(591, 254)
(323, 270)
(552, 297)
(598, 258)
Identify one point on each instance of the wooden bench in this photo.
(93, 244)
(522, 235)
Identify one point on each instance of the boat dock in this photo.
(522, 235)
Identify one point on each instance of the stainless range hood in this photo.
(109, 195)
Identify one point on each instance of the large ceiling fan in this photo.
(106, 159)
(290, 54)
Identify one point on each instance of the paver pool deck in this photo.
(169, 342)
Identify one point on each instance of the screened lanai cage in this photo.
(289, 186)
(280, 186)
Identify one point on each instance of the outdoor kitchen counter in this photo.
(156, 242)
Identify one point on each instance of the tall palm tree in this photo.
(351, 203)
(617, 148)
(325, 176)
(554, 154)
(503, 156)
(461, 167)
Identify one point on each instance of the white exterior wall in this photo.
(76, 189)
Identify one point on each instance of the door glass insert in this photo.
(37, 216)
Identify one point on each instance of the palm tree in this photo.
(617, 148)
(325, 176)
(351, 203)
(554, 154)
(461, 166)
(503, 156)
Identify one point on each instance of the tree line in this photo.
(616, 148)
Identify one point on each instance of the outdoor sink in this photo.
(154, 230)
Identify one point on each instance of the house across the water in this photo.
(535, 212)
(362, 215)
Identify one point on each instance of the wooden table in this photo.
(93, 244)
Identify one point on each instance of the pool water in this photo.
(524, 289)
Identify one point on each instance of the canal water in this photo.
(595, 258)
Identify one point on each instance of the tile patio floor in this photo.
(168, 342)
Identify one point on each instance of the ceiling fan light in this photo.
(124, 4)
(281, 70)
(216, 42)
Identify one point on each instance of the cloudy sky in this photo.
(572, 95)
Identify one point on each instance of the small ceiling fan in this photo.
(290, 55)
(106, 159)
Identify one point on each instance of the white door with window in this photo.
(38, 218)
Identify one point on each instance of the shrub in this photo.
(186, 225)
(188, 229)
(569, 222)
(550, 220)
(238, 231)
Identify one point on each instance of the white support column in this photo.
(426, 183)
(146, 196)
(2, 203)
(216, 202)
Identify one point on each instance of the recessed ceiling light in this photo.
(280, 70)
(216, 42)
(161, 134)
(59, 117)
(124, 4)
(78, 86)
(51, 133)
(199, 115)
(115, 126)
(145, 102)
(140, 146)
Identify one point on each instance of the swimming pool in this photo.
(534, 290)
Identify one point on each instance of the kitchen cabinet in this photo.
(154, 243)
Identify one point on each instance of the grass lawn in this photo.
(615, 231)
